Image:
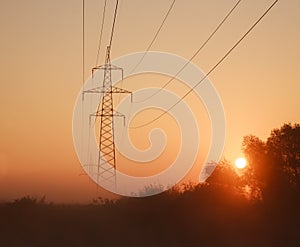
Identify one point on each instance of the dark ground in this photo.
(201, 216)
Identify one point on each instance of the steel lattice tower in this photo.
(106, 167)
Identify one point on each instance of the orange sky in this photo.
(41, 77)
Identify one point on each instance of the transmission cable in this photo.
(211, 70)
(194, 55)
(155, 36)
(101, 33)
(113, 25)
(83, 44)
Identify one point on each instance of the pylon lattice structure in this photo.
(106, 167)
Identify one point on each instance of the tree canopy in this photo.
(273, 168)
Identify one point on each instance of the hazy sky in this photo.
(40, 61)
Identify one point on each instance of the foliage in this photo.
(28, 201)
(275, 164)
(284, 150)
(202, 215)
(224, 174)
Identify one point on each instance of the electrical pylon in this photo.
(106, 167)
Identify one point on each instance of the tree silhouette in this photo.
(242, 182)
(284, 151)
(274, 165)
(258, 169)
(224, 174)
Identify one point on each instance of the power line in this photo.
(211, 70)
(101, 32)
(113, 25)
(83, 42)
(155, 36)
(194, 55)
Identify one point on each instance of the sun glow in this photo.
(240, 163)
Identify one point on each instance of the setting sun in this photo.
(240, 163)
